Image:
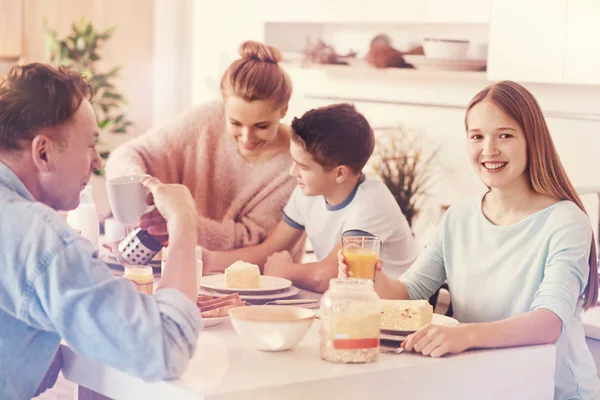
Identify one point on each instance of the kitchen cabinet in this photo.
(376, 11)
(393, 11)
(11, 28)
(456, 11)
(527, 40)
(582, 57)
(546, 41)
(311, 11)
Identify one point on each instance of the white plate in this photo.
(268, 284)
(208, 322)
(289, 292)
(437, 319)
(423, 62)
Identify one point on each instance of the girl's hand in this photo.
(436, 341)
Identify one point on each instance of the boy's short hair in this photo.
(335, 135)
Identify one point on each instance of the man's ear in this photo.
(342, 172)
(41, 147)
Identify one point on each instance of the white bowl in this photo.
(447, 49)
(271, 328)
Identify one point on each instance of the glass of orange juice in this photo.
(361, 254)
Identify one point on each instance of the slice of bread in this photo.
(219, 307)
(218, 300)
(221, 311)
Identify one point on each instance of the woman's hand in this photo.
(155, 224)
(436, 341)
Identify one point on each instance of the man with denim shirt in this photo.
(52, 285)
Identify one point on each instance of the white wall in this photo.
(426, 103)
(172, 61)
(434, 107)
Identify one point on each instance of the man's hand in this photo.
(174, 204)
(276, 264)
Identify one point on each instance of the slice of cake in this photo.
(242, 275)
(405, 315)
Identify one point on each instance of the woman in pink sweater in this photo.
(233, 156)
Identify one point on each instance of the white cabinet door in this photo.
(393, 11)
(527, 40)
(457, 11)
(321, 11)
(426, 11)
(582, 59)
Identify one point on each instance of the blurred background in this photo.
(410, 66)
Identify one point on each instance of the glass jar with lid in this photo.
(350, 321)
(141, 277)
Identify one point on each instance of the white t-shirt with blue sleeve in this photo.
(495, 272)
(369, 210)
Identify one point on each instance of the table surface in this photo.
(225, 368)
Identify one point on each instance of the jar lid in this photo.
(351, 283)
(138, 270)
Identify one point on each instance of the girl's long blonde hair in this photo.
(546, 173)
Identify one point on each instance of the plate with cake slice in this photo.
(244, 278)
(401, 317)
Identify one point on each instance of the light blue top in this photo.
(53, 286)
(495, 272)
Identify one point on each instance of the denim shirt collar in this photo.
(11, 181)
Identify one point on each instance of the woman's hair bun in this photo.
(260, 52)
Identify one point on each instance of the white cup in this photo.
(127, 198)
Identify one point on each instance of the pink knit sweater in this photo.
(238, 202)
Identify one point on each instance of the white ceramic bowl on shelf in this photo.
(271, 328)
(448, 49)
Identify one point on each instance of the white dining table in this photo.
(224, 368)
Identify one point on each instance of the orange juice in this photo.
(361, 262)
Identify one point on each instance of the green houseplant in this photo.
(405, 165)
(80, 49)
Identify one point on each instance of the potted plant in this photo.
(80, 49)
(405, 166)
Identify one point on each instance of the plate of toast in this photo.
(215, 310)
(284, 294)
